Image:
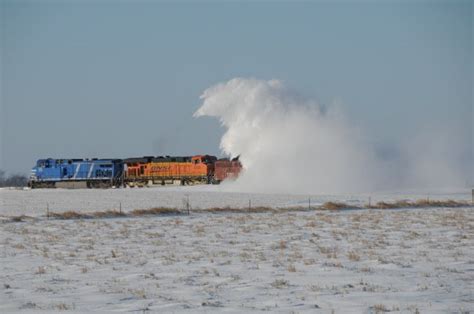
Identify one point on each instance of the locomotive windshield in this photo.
(40, 163)
(209, 159)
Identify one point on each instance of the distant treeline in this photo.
(14, 180)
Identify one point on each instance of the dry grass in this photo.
(379, 308)
(109, 214)
(280, 284)
(257, 209)
(336, 206)
(138, 293)
(353, 256)
(115, 214)
(385, 205)
(419, 203)
(41, 270)
(200, 230)
(20, 218)
(70, 215)
(155, 211)
(77, 215)
(62, 307)
(397, 204)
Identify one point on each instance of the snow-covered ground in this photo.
(410, 260)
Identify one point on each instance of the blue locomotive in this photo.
(86, 173)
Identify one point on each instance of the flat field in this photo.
(365, 260)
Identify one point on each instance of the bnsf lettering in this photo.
(160, 168)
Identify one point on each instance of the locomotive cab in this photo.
(197, 160)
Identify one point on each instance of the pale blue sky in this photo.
(120, 79)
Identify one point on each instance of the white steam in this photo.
(292, 145)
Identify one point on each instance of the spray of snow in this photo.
(290, 144)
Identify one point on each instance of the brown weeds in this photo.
(69, 215)
(257, 209)
(418, 204)
(114, 214)
(155, 211)
(335, 206)
(353, 256)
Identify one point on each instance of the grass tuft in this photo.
(280, 284)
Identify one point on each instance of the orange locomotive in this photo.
(169, 170)
(226, 169)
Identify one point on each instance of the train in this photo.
(132, 172)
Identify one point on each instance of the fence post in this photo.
(472, 196)
(187, 203)
(47, 211)
(250, 204)
(309, 203)
(120, 207)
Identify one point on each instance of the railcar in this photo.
(75, 173)
(169, 170)
(226, 169)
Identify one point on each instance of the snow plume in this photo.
(289, 144)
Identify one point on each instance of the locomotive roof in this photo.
(157, 159)
(82, 159)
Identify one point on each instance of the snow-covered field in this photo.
(410, 260)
